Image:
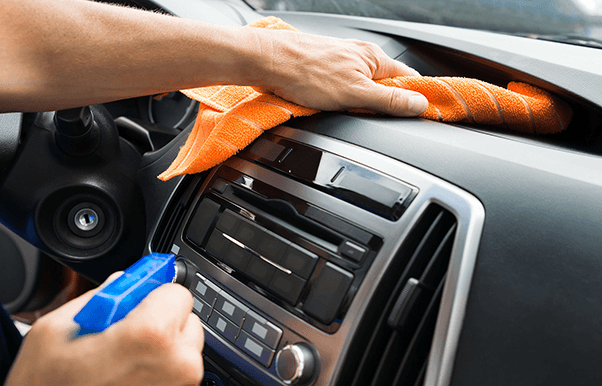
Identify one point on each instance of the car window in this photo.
(573, 21)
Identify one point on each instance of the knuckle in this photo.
(149, 337)
(364, 44)
(192, 369)
(113, 276)
(176, 291)
(182, 292)
(355, 41)
(395, 102)
(45, 325)
(373, 49)
(199, 326)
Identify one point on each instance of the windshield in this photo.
(538, 18)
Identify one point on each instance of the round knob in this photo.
(181, 272)
(295, 364)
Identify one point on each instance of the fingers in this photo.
(392, 100)
(390, 68)
(110, 279)
(193, 332)
(166, 306)
(71, 308)
(61, 320)
(189, 358)
(383, 65)
(262, 90)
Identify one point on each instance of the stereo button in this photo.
(230, 308)
(225, 328)
(237, 258)
(228, 222)
(327, 293)
(206, 291)
(219, 186)
(201, 221)
(217, 244)
(352, 251)
(299, 260)
(201, 309)
(272, 247)
(255, 349)
(248, 233)
(260, 271)
(261, 329)
(287, 287)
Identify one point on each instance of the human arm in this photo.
(68, 53)
(159, 343)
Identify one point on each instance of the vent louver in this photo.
(173, 216)
(396, 341)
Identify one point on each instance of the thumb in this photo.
(394, 101)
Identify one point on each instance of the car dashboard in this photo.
(351, 249)
(302, 242)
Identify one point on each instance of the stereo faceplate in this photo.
(278, 242)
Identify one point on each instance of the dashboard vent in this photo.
(396, 351)
(173, 215)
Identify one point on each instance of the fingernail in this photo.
(415, 73)
(417, 104)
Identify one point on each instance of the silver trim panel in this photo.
(333, 348)
(470, 215)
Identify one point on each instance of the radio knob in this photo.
(295, 364)
(181, 272)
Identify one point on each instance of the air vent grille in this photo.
(396, 352)
(173, 215)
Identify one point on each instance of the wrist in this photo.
(271, 58)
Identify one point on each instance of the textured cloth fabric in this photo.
(10, 341)
(231, 117)
(521, 107)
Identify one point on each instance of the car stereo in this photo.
(284, 246)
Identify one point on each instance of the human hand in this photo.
(158, 343)
(334, 74)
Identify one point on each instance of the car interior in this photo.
(341, 248)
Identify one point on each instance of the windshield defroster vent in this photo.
(396, 351)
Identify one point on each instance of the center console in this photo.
(286, 244)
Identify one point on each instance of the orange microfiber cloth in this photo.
(231, 117)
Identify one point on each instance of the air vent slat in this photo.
(438, 265)
(174, 214)
(164, 234)
(378, 342)
(381, 336)
(429, 281)
(397, 352)
(426, 248)
(390, 356)
(421, 374)
(417, 351)
(169, 232)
